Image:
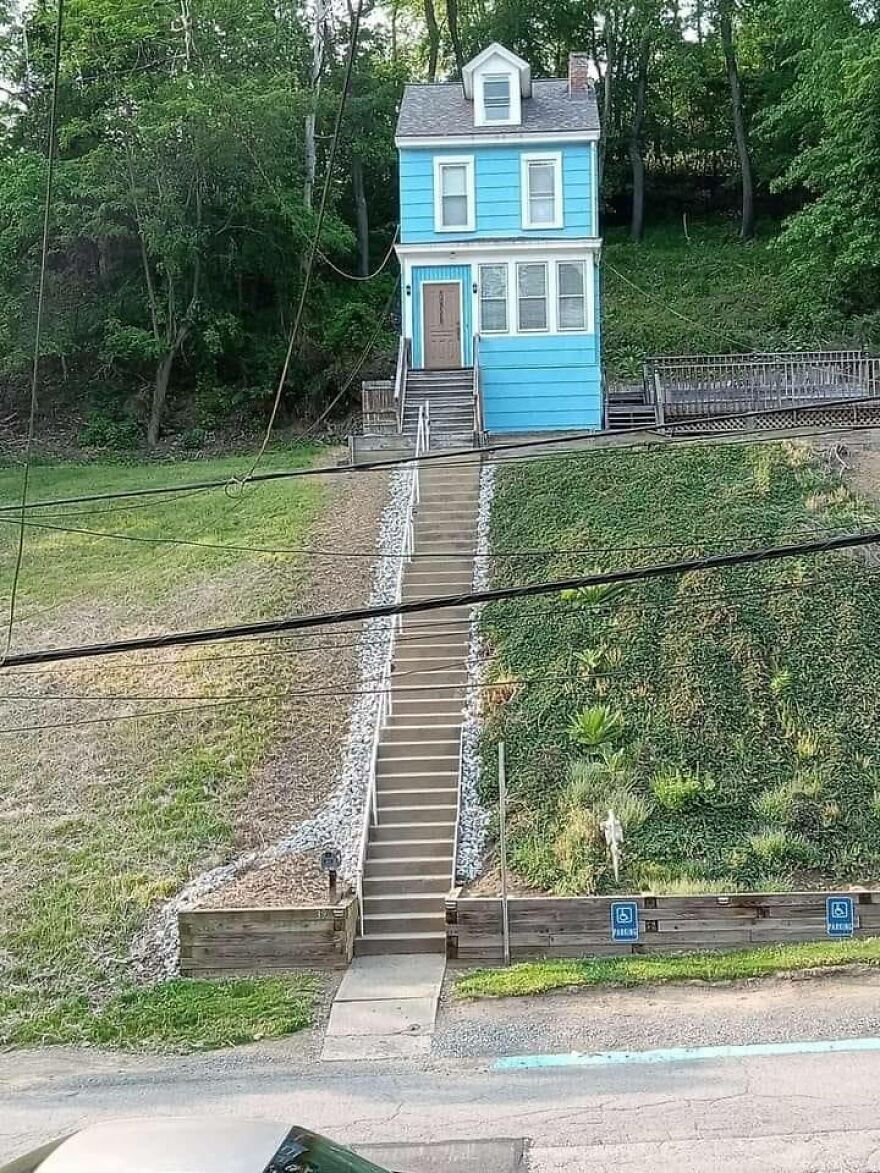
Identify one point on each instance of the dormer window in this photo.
(496, 97)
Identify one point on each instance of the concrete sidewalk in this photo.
(385, 1008)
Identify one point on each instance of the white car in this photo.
(199, 1145)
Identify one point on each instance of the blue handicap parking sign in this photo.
(840, 916)
(624, 920)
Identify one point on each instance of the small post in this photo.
(502, 843)
(331, 860)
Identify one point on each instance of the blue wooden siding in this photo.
(497, 184)
(423, 273)
(541, 383)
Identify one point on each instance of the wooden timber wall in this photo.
(580, 926)
(252, 942)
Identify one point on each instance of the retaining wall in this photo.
(580, 926)
(252, 942)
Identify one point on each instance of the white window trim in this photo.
(550, 328)
(515, 117)
(560, 329)
(495, 265)
(466, 161)
(554, 158)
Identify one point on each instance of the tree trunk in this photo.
(747, 230)
(607, 92)
(318, 36)
(160, 394)
(452, 23)
(433, 39)
(362, 217)
(637, 223)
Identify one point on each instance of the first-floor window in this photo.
(571, 278)
(532, 297)
(493, 299)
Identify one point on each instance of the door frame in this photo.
(443, 281)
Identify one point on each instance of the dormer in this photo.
(496, 82)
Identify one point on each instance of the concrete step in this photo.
(418, 649)
(392, 816)
(405, 922)
(425, 849)
(377, 943)
(454, 570)
(409, 866)
(439, 881)
(418, 756)
(420, 832)
(398, 904)
(419, 714)
(435, 739)
(390, 781)
(443, 792)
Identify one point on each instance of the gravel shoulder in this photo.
(770, 1010)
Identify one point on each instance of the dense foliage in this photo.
(195, 135)
(727, 717)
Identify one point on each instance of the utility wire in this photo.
(442, 602)
(370, 276)
(313, 247)
(455, 457)
(38, 331)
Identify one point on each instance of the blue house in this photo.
(499, 244)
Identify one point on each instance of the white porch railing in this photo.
(371, 808)
(453, 879)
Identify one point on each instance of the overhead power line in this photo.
(457, 456)
(443, 602)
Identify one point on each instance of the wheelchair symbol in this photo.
(624, 916)
(840, 910)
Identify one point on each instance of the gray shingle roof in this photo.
(441, 110)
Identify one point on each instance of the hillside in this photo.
(728, 717)
(122, 778)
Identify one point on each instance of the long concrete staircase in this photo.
(449, 395)
(409, 861)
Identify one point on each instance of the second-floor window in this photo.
(542, 191)
(454, 195)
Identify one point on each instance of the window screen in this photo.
(571, 277)
(496, 98)
(532, 296)
(542, 192)
(453, 195)
(493, 299)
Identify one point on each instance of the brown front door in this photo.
(442, 325)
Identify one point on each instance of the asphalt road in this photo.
(789, 1113)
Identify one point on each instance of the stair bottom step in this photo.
(375, 944)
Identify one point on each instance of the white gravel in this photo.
(474, 819)
(155, 952)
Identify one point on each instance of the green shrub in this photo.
(596, 726)
(774, 847)
(103, 431)
(677, 789)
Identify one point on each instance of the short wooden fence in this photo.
(581, 926)
(378, 407)
(683, 386)
(253, 942)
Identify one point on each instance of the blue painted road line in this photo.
(681, 1054)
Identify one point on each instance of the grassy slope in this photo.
(709, 296)
(749, 751)
(99, 824)
(539, 977)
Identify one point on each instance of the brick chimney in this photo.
(579, 82)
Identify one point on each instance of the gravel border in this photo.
(474, 818)
(155, 953)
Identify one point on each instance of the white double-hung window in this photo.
(454, 195)
(531, 284)
(542, 191)
(493, 299)
(496, 97)
(571, 295)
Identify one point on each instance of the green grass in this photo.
(710, 295)
(175, 1015)
(539, 977)
(735, 710)
(100, 823)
